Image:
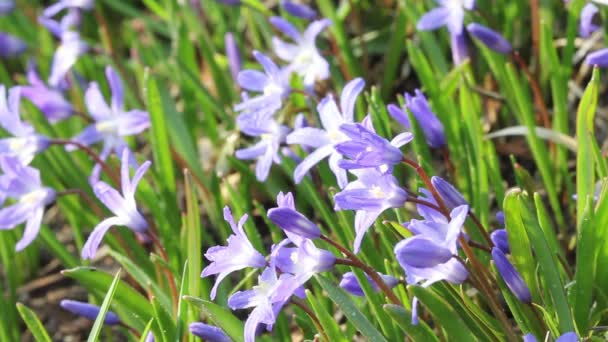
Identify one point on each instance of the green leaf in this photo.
(582, 292)
(221, 317)
(133, 308)
(585, 168)
(105, 306)
(33, 323)
(327, 322)
(346, 304)
(444, 314)
(403, 319)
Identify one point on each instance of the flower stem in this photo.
(90, 202)
(356, 262)
(311, 314)
(106, 168)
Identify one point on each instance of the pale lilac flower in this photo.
(239, 253)
(68, 4)
(24, 143)
(371, 194)
(233, 54)
(430, 125)
(208, 332)
(351, 284)
(123, 205)
(303, 56)
(428, 256)
(299, 10)
(366, 149)
(266, 150)
(89, 311)
(112, 122)
(6, 6)
(266, 298)
(22, 183)
(586, 26)
(512, 278)
(303, 261)
(295, 225)
(11, 46)
(490, 38)
(272, 83)
(324, 140)
(49, 100)
(450, 13)
(598, 58)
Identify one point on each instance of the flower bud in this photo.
(421, 252)
(511, 277)
(89, 311)
(599, 58)
(299, 10)
(450, 196)
(233, 54)
(208, 332)
(294, 222)
(351, 284)
(490, 38)
(499, 238)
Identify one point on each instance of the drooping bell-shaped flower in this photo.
(295, 225)
(23, 185)
(112, 122)
(371, 194)
(303, 56)
(238, 254)
(123, 205)
(511, 277)
(428, 256)
(490, 38)
(351, 284)
(89, 311)
(586, 26)
(24, 143)
(324, 140)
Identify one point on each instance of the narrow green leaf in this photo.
(403, 318)
(346, 304)
(220, 316)
(105, 306)
(582, 293)
(33, 324)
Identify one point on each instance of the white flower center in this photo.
(107, 126)
(34, 197)
(17, 144)
(305, 57)
(377, 192)
(336, 136)
(294, 257)
(272, 88)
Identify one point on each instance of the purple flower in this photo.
(22, 183)
(302, 261)
(431, 127)
(208, 332)
(367, 149)
(299, 10)
(237, 255)
(295, 225)
(233, 54)
(500, 240)
(303, 57)
(450, 196)
(24, 142)
(272, 83)
(89, 311)
(428, 256)
(599, 58)
(458, 44)
(490, 38)
(325, 140)
(6, 6)
(123, 205)
(511, 277)
(566, 337)
(112, 122)
(68, 4)
(586, 26)
(49, 100)
(10, 46)
(266, 298)
(450, 13)
(351, 284)
(266, 150)
(371, 194)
